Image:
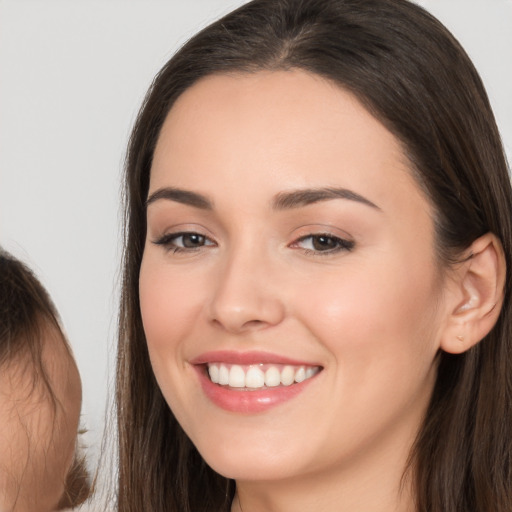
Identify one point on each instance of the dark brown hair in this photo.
(26, 313)
(413, 76)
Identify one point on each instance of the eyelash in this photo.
(337, 244)
(169, 241)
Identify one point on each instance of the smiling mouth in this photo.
(259, 376)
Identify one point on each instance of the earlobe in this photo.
(476, 295)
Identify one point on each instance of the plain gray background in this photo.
(72, 76)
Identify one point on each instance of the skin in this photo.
(37, 442)
(372, 317)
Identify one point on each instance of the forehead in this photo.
(280, 129)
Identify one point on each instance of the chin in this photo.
(254, 459)
(258, 469)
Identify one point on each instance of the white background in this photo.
(72, 76)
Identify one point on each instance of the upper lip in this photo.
(247, 358)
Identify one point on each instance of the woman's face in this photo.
(290, 254)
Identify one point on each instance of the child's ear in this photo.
(475, 296)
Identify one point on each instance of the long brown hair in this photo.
(413, 76)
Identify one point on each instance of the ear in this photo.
(475, 295)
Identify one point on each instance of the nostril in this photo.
(253, 323)
(234, 326)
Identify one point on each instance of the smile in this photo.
(252, 382)
(259, 376)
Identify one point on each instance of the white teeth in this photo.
(223, 375)
(213, 371)
(236, 377)
(300, 374)
(287, 376)
(255, 376)
(272, 377)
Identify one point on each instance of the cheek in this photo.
(170, 303)
(169, 309)
(380, 333)
(369, 316)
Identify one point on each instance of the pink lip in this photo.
(245, 401)
(244, 358)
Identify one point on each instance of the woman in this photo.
(40, 398)
(316, 308)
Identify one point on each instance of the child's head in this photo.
(40, 399)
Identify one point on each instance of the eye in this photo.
(323, 243)
(184, 241)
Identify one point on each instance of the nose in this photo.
(247, 295)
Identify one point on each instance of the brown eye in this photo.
(187, 241)
(323, 243)
(192, 240)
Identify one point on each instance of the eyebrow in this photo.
(304, 197)
(282, 201)
(181, 196)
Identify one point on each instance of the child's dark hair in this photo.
(27, 315)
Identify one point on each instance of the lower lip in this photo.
(248, 401)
